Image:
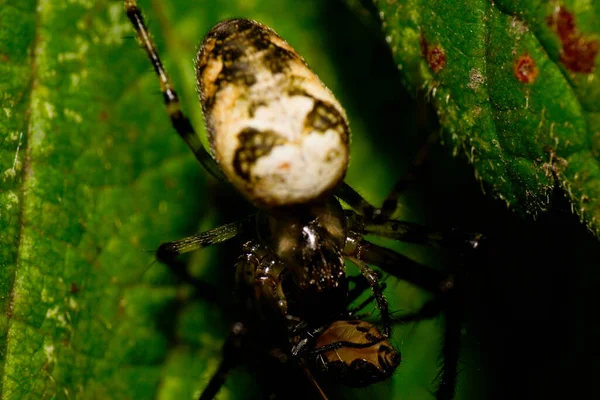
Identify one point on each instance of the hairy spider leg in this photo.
(355, 310)
(371, 213)
(411, 232)
(398, 265)
(373, 281)
(447, 302)
(232, 353)
(179, 120)
(360, 285)
(390, 203)
(168, 252)
(312, 380)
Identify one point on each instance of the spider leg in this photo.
(448, 374)
(354, 199)
(380, 215)
(168, 251)
(447, 300)
(353, 311)
(390, 203)
(398, 265)
(440, 283)
(312, 380)
(373, 281)
(167, 254)
(232, 350)
(180, 122)
(449, 305)
(204, 290)
(360, 285)
(411, 232)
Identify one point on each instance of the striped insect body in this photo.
(363, 356)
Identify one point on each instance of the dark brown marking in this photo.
(238, 72)
(254, 144)
(385, 349)
(578, 53)
(253, 106)
(277, 59)
(241, 46)
(525, 69)
(295, 87)
(372, 338)
(362, 329)
(323, 117)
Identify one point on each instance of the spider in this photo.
(281, 139)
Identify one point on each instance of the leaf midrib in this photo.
(26, 174)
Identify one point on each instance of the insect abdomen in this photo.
(278, 133)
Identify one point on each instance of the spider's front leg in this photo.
(168, 253)
(179, 120)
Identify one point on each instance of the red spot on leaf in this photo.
(578, 53)
(436, 58)
(525, 69)
(435, 55)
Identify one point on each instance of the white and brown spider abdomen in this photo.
(277, 132)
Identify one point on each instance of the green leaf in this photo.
(516, 87)
(94, 179)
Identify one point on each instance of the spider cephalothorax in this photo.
(281, 138)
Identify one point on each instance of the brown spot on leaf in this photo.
(578, 52)
(525, 69)
(435, 55)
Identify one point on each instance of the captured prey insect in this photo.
(281, 139)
